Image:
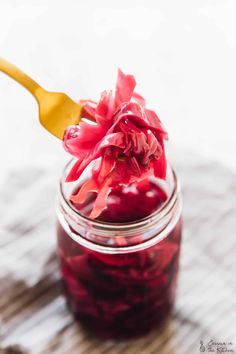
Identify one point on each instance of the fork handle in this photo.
(23, 79)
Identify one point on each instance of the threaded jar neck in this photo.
(120, 238)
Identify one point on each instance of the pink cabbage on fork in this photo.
(125, 142)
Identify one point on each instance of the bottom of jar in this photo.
(139, 323)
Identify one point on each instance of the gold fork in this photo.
(56, 110)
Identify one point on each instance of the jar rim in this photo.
(156, 216)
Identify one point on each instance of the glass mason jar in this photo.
(120, 278)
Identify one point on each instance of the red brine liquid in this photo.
(126, 294)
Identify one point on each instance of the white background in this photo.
(182, 53)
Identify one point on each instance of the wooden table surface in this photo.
(33, 315)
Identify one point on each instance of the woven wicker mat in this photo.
(33, 315)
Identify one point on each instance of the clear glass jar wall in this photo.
(120, 279)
